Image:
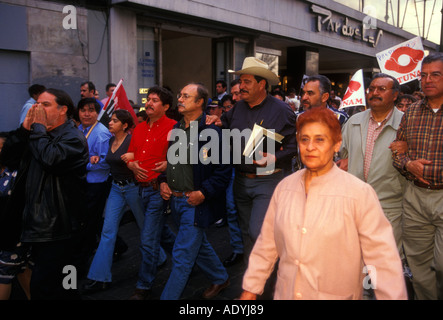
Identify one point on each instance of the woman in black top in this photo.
(124, 191)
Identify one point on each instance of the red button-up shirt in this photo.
(150, 144)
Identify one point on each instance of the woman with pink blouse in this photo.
(325, 227)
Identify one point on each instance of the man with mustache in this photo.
(146, 158)
(365, 148)
(316, 93)
(252, 187)
(195, 189)
(422, 164)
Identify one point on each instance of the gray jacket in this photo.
(387, 182)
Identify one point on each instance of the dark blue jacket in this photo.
(211, 179)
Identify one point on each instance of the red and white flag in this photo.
(355, 93)
(402, 61)
(118, 100)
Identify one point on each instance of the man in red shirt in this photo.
(146, 157)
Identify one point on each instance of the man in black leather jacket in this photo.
(54, 155)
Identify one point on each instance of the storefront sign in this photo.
(361, 32)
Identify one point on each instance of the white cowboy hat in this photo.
(257, 67)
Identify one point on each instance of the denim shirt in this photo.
(98, 142)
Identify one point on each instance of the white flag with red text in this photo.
(355, 93)
(402, 61)
(118, 100)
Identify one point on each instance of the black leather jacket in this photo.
(55, 169)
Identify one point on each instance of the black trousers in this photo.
(49, 260)
(91, 223)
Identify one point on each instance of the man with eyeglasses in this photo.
(195, 188)
(365, 150)
(422, 164)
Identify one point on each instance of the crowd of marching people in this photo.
(332, 197)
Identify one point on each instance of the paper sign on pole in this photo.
(355, 93)
(402, 61)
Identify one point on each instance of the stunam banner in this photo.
(402, 61)
(355, 93)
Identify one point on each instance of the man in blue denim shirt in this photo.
(196, 190)
(98, 183)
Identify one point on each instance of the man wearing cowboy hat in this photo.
(253, 187)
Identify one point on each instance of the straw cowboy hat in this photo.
(257, 67)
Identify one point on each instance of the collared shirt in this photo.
(180, 176)
(150, 144)
(422, 129)
(98, 143)
(387, 182)
(271, 114)
(374, 129)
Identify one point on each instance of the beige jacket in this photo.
(387, 182)
(325, 240)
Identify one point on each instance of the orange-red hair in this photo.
(322, 115)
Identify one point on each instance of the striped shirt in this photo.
(374, 129)
(422, 129)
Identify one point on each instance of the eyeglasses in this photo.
(431, 77)
(380, 89)
(185, 96)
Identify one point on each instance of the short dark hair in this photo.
(91, 86)
(408, 97)
(432, 57)
(36, 89)
(222, 82)
(278, 93)
(235, 82)
(110, 85)
(164, 94)
(142, 114)
(125, 117)
(62, 99)
(202, 93)
(87, 101)
(396, 86)
(226, 97)
(325, 83)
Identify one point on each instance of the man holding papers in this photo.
(257, 176)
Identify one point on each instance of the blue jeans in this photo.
(191, 247)
(119, 197)
(232, 218)
(155, 235)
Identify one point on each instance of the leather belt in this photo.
(428, 186)
(151, 183)
(181, 194)
(254, 175)
(122, 183)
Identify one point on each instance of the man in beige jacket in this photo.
(365, 149)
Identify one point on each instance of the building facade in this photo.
(173, 42)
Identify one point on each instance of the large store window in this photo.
(270, 56)
(147, 61)
(229, 55)
(223, 59)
